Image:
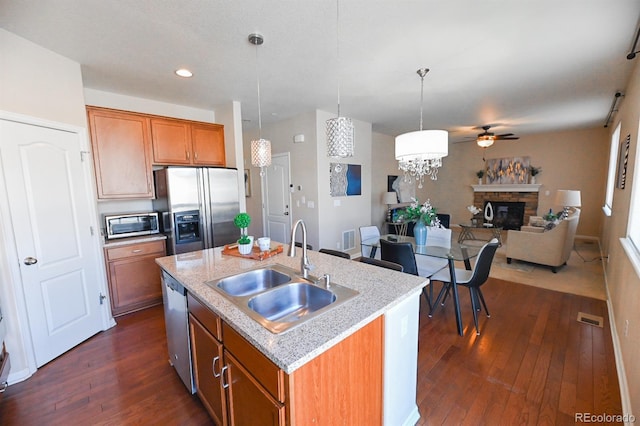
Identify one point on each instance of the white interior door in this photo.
(277, 199)
(50, 218)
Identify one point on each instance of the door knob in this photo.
(30, 260)
(286, 213)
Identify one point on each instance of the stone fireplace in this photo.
(524, 196)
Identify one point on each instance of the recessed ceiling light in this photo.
(183, 72)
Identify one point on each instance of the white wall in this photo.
(38, 83)
(338, 214)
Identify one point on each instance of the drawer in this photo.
(266, 372)
(210, 320)
(138, 249)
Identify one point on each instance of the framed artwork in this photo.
(508, 170)
(247, 183)
(623, 157)
(405, 189)
(345, 179)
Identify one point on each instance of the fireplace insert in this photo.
(507, 214)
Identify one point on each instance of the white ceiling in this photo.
(527, 65)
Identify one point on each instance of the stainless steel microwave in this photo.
(131, 225)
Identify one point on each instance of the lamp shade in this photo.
(568, 198)
(261, 153)
(422, 145)
(389, 198)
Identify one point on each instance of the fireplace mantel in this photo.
(507, 187)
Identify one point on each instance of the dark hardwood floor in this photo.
(533, 363)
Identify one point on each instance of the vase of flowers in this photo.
(480, 174)
(474, 211)
(245, 243)
(424, 215)
(534, 172)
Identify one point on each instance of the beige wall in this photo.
(623, 282)
(569, 160)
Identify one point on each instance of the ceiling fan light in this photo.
(485, 141)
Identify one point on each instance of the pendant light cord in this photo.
(422, 72)
(258, 84)
(338, 49)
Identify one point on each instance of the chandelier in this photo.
(260, 148)
(339, 129)
(420, 153)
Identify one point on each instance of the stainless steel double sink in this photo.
(278, 298)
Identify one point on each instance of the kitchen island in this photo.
(387, 304)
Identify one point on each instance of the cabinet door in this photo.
(208, 144)
(250, 403)
(206, 353)
(121, 154)
(171, 141)
(134, 283)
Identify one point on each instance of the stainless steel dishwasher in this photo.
(177, 324)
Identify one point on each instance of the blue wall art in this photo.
(345, 179)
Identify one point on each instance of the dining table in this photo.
(457, 252)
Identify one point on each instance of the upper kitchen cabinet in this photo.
(121, 153)
(179, 142)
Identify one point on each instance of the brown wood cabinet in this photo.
(180, 142)
(341, 386)
(133, 276)
(121, 153)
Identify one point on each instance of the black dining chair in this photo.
(400, 253)
(337, 253)
(381, 263)
(299, 244)
(472, 279)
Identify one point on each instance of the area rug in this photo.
(583, 275)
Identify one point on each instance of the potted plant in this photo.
(480, 174)
(245, 243)
(534, 172)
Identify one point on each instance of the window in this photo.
(611, 176)
(631, 243)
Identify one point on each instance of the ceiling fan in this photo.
(487, 138)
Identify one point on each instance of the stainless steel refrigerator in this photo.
(198, 205)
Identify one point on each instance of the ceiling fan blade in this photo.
(504, 134)
(509, 138)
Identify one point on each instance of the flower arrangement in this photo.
(416, 211)
(242, 221)
(473, 209)
(535, 170)
(480, 174)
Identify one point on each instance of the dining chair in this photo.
(400, 253)
(365, 233)
(337, 253)
(299, 244)
(382, 263)
(427, 265)
(472, 279)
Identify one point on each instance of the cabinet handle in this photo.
(195, 155)
(136, 251)
(187, 153)
(225, 383)
(213, 366)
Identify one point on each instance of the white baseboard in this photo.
(622, 375)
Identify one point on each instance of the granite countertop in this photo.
(133, 240)
(380, 289)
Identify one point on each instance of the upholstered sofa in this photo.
(551, 247)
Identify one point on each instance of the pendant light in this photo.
(420, 153)
(340, 142)
(260, 148)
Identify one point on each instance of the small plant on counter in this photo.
(242, 221)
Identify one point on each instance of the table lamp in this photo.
(568, 198)
(389, 198)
